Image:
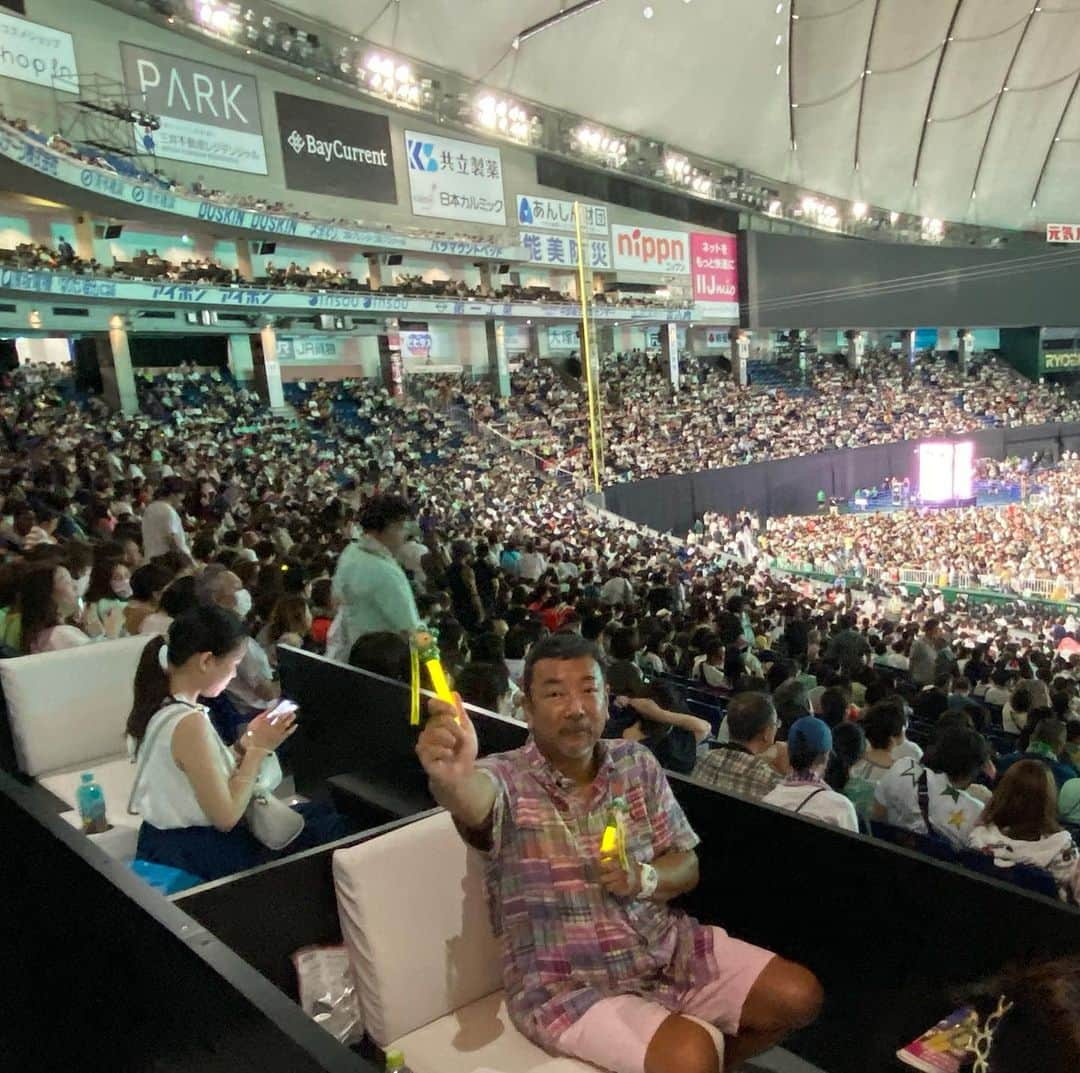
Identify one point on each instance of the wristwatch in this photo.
(649, 880)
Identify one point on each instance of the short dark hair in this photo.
(383, 511)
(561, 646)
(883, 722)
(748, 714)
(958, 752)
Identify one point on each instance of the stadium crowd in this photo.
(712, 422)
(119, 524)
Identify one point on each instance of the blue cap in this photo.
(810, 735)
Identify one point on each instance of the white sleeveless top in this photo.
(163, 794)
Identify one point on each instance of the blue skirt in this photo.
(212, 854)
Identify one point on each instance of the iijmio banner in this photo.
(714, 274)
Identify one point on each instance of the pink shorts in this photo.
(615, 1033)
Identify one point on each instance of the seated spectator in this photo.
(834, 707)
(638, 990)
(623, 675)
(192, 790)
(178, 597)
(805, 790)
(934, 699)
(849, 746)
(737, 766)
(1040, 1029)
(656, 721)
(710, 666)
(487, 685)
(883, 725)
(47, 600)
(109, 587)
(1047, 744)
(1014, 715)
(1069, 803)
(933, 797)
(1019, 826)
(147, 585)
(382, 653)
(289, 624)
(792, 701)
(1000, 689)
(252, 686)
(322, 615)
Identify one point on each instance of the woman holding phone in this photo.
(192, 790)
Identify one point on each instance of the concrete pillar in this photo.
(243, 260)
(669, 353)
(740, 356)
(82, 237)
(241, 362)
(114, 363)
(498, 361)
(391, 363)
(267, 370)
(374, 271)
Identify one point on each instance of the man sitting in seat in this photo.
(595, 964)
(739, 765)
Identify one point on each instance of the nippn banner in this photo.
(645, 249)
(328, 149)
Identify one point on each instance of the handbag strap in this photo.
(809, 796)
(145, 748)
(923, 794)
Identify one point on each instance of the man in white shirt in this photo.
(162, 529)
(531, 564)
(918, 799)
(411, 556)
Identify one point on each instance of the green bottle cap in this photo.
(394, 1060)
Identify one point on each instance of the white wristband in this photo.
(650, 879)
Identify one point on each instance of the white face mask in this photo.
(121, 590)
(243, 603)
(81, 585)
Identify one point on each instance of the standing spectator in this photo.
(924, 653)
(162, 529)
(369, 584)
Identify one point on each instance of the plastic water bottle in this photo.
(395, 1062)
(90, 800)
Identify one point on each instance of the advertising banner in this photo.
(551, 214)
(209, 116)
(1063, 232)
(34, 53)
(563, 339)
(328, 149)
(455, 180)
(645, 249)
(416, 344)
(1057, 361)
(561, 250)
(714, 274)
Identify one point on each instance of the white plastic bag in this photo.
(328, 994)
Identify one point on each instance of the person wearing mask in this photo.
(47, 600)
(739, 766)
(191, 790)
(162, 529)
(618, 1002)
(109, 588)
(804, 790)
(252, 686)
(370, 586)
(1020, 826)
(932, 797)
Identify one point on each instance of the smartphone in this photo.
(281, 709)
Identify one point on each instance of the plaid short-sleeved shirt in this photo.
(567, 943)
(736, 770)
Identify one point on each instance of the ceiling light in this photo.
(779, 9)
(775, 208)
(779, 68)
(779, 39)
(893, 217)
(858, 210)
(648, 12)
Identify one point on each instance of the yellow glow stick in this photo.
(438, 680)
(424, 644)
(609, 842)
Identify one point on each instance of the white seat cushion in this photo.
(69, 707)
(115, 775)
(479, 1036)
(415, 922)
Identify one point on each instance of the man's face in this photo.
(566, 707)
(393, 536)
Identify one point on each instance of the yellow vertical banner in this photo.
(592, 380)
